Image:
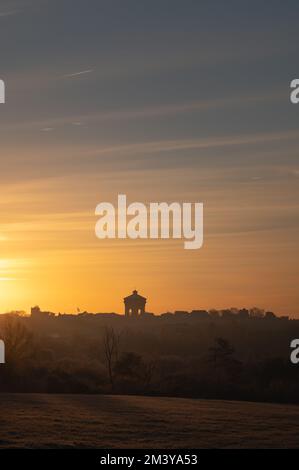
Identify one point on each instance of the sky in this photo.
(161, 101)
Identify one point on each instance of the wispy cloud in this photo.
(148, 112)
(212, 142)
(8, 13)
(76, 74)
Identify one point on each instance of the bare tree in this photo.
(18, 343)
(149, 370)
(111, 349)
(133, 366)
(222, 352)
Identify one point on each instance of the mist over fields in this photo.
(227, 356)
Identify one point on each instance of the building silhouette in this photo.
(134, 305)
(37, 313)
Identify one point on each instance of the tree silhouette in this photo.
(111, 350)
(18, 341)
(222, 352)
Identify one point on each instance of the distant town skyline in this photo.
(162, 101)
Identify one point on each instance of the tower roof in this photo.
(135, 296)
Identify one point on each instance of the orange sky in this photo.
(183, 105)
(51, 257)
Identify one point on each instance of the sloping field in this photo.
(70, 421)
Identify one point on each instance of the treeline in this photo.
(213, 314)
(231, 359)
(243, 313)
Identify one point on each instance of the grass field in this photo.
(71, 421)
